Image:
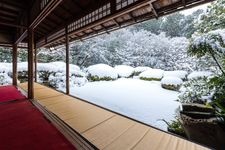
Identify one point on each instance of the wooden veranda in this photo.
(93, 127)
(33, 24)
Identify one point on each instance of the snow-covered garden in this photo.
(168, 73)
(138, 92)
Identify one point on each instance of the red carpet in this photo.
(9, 93)
(23, 127)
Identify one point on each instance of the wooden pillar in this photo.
(67, 63)
(35, 64)
(30, 63)
(14, 67)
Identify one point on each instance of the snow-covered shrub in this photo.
(139, 70)
(124, 71)
(5, 79)
(171, 83)
(58, 80)
(76, 71)
(199, 74)
(196, 90)
(209, 44)
(152, 74)
(44, 70)
(101, 72)
(178, 73)
(22, 71)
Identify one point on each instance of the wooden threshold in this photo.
(90, 127)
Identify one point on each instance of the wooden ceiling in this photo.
(80, 19)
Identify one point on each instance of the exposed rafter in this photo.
(12, 25)
(153, 10)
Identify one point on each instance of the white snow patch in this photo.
(171, 81)
(152, 73)
(141, 69)
(138, 99)
(124, 70)
(178, 73)
(199, 74)
(102, 70)
(22, 66)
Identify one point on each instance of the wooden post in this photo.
(35, 64)
(14, 67)
(67, 63)
(30, 63)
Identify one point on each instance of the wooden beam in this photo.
(12, 25)
(116, 22)
(184, 3)
(104, 28)
(22, 36)
(67, 62)
(132, 17)
(41, 16)
(14, 67)
(78, 5)
(45, 12)
(153, 10)
(30, 63)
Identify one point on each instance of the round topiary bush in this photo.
(152, 75)
(139, 70)
(171, 83)
(124, 71)
(177, 73)
(101, 72)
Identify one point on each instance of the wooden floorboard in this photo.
(104, 129)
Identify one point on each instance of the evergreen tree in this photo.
(214, 18)
(5, 54)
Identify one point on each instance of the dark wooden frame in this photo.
(34, 21)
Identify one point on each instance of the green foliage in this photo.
(22, 55)
(195, 91)
(209, 44)
(150, 79)
(206, 44)
(5, 55)
(214, 18)
(218, 100)
(154, 26)
(172, 25)
(23, 76)
(175, 126)
(96, 78)
(171, 87)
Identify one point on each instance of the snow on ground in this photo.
(124, 70)
(142, 100)
(102, 70)
(198, 74)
